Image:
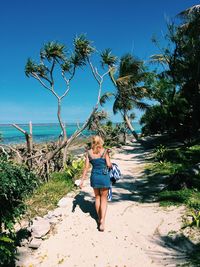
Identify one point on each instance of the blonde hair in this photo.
(97, 144)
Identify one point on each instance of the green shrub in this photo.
(16, 183)
(74, 167)
(194, 201)
(195, 218)
(175, 197)
(160, 153)
(7, 251)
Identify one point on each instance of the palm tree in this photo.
(127, 80)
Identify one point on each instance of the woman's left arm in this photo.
(108, 162)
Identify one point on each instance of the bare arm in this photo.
(108, 162)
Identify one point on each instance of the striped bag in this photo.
(115, 173)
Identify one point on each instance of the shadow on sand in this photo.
(181, 251)
(144, 189)
(86, 206)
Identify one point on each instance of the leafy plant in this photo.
(195, 218)
(16, 183)
(74, 167)
(7, 251)
(160, 153)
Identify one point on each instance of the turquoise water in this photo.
(41, 132)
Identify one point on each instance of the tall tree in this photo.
(127, 79)
(181, 59)
(53, 57)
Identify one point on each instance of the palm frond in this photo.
(83, 46)
(141, 105)
(30, 67)
(105, 97)
(159, 59)
(189, 11)
(108, 58)
(53, 50)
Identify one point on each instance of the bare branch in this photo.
(19, 128)
(12, 149)
(93, 70)
(42, 83)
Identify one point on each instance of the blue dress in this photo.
(99, 177)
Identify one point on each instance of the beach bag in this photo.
(115, 173)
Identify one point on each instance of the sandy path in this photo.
(134, 230)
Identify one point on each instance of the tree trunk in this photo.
(64, 137)
(129, 125)
(124, 137)
(28, 136)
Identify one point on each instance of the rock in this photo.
(53, 220)
(63, 202)
(35, 243)
(40, 227)
(50, 214)
(57, 212)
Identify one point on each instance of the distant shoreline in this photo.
(42, 132)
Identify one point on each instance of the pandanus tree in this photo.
(127, 79)
(53, 56)
(54, 59)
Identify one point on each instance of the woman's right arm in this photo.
(85, 170)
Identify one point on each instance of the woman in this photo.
(99, 179)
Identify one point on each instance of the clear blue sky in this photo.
(124, 26)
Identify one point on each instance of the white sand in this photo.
(132, 237)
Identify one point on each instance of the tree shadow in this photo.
(181, 251)
(146, 186)
(85, 205)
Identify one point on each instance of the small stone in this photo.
(63, 202)
(57, 212)
(40, 227)
(53, 220)
(35, 243)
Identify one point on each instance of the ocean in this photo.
(42, 132)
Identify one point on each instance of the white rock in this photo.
(50, 214)
(77, 182)
(35, 243)
(40, 227)
(57, 212)
(63, 202)
(53, 220)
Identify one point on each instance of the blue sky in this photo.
(26, 25)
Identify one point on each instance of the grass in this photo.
(189, 197)
(46, 196)
(171, 161)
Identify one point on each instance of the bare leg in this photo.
(97, 202)
(103, 207)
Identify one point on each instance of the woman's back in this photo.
(99, 174)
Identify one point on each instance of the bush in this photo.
(7, 251)
(175, 197)
(16, 183)
(74, 167)
(160, 152)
